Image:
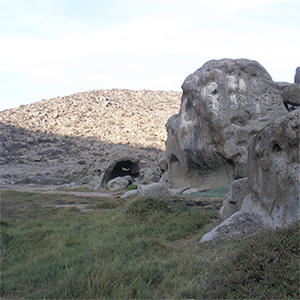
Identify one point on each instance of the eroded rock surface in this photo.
(273, 185)
(149, 175)
(224, 105)
(118, 183)
(274, 172)
(232, 202)
(290, 94)
(238, 225)
(119, 161)
(152, 190)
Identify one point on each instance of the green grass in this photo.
(141, 249)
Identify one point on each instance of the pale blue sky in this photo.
(52, 48)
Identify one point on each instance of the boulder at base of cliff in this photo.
(272, 199)
(149, 175)
(290, 93)
(224, 105)
(152, 190)
(274, 172)
(232, 202)
(118, 183)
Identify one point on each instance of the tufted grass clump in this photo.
(265, 266)
(144, 207)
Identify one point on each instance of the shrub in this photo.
(132, 187)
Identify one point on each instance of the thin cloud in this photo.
(153, 45)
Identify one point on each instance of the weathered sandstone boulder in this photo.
(33, 157)
(118, 183)
(273, 189)
(119, 161)
(152, 190)
(129, 178)
(224, 105)
(238, 225)
(274, 172)
(149, 175)
(232, 202)
(290, 93)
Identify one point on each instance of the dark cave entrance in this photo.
(123, 168)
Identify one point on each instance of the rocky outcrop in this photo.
(290, 94)
(232, 202)
(149, 175)
(115, 116)
(58, 141)
(240, 224)
(152, 190)
(224, 105)
(274, 172)
(273, 186)
(118, 183)
(119, 161)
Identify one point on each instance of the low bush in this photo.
(132, 187)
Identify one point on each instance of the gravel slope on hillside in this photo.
(58, 140)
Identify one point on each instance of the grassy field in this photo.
(136, 249)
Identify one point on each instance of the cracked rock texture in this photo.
(224, 105)
(274, 172)
(270, 197)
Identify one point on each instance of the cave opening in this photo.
(123, 168)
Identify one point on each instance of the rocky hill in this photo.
(57, 141)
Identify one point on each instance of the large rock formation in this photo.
(274, 172)
(273, 186)
(119, 161)
(57, 141)
(290, 94)
(224, 105)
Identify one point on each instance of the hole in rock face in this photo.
(123, 168)
(276, 148)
